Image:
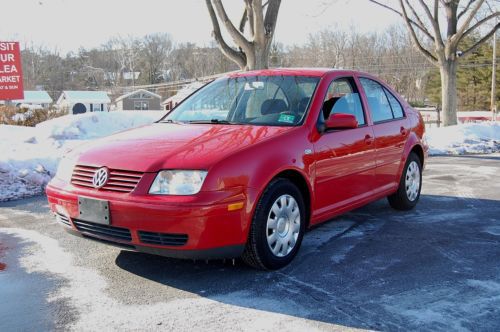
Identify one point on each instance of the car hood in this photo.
(173, 146)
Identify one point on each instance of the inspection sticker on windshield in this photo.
(286, 118)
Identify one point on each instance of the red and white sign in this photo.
(11, 74)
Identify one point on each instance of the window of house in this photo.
(377, 100)
(343, 98)
(141, 105)
(95, 108)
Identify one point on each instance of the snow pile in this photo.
(29, 155)
(481, 137)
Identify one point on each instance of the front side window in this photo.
(343, 98)
(253, 100)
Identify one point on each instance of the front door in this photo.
(345, 159)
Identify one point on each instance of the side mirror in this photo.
(341, 121)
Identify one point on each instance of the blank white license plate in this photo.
(94, 210)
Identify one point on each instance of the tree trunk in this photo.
(259, 59)
(448, 70)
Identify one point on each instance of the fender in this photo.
(411, 142)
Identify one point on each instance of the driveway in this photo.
(434, 268)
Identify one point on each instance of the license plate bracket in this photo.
(94, 210)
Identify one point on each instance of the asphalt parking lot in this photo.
(434, 268)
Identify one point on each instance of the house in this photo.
(183, 93)
(34, 99)
(77, 102)
(139, 100)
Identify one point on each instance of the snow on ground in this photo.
(482, 137)
(29, 155)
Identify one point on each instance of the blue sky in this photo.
(69, 24)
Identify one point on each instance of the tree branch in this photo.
(466, 8)
(469, 18)
(420, 27)
(273, 7)
(478, 24)
(421, 24)
(237, 37)
(258, 22)
(228, 51)
(243, 20)
(482, 40)
(434, 22)
(414, 37)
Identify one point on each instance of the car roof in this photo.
(314, 72)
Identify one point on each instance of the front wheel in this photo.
(410, 185)
(277, 228)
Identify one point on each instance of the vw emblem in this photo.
(100, 177)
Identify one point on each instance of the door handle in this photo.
(403, 131)
(368, 139)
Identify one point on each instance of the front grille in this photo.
(63, 219)
(163, 239)
(118, 180)
(109, 232)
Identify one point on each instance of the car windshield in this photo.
(255, 100)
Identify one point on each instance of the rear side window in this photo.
(377, 100)
(383, 105)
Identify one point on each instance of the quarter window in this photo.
(397, 110)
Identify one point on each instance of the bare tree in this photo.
(462, 19)
(127, 52)
(253, 51)
(156, 49)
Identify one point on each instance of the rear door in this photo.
(391, 130)
(345, 159)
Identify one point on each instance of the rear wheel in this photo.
(277, 227)
(410, 185)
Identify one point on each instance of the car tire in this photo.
(277, 227)
(410, 185)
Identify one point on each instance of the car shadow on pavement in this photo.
(433, 268)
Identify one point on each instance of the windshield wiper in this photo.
(171, 121)
(216, 121)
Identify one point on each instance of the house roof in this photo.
(136, 92)
(34, 97)
(94, 97)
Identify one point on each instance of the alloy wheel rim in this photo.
(412, 182)
(283, 225)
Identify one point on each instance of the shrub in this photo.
(11, 115)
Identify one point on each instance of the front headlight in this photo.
(178, 182)
(65, 168)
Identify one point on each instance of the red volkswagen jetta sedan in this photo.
(244, 166)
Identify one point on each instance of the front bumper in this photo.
(198, 227)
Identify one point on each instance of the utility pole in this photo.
(494, 79)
